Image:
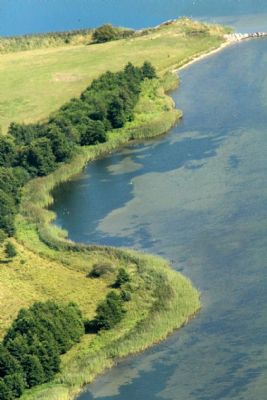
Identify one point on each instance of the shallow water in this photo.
(197, 196)
(29, 16)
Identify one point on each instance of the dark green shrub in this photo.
(105, 33)
(10, 250)
(16, 383)
(148, 71)
(93, 133)
(3, 236)
(5, 391)
(126, 296)
(8, 210)
(122, 278)
(110, 312)
(101, 269)
(33, 370)
(39, 158)
(7, 151)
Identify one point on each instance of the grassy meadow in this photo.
(35, 83)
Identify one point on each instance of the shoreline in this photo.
(204, 55)
(36, 233)
(51, 243)
(230, 40)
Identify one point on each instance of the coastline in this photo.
(36, 233)
(41, 237)
(204, 55)
(230, 40)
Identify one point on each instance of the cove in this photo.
(198, 197)
(31, 16)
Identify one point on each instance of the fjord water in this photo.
(30, 16)
(197, 196)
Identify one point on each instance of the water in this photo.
(197, 196)
(30, 16)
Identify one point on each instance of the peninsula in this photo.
(39, 263)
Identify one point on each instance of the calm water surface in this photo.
(197, 196)
(28, 16)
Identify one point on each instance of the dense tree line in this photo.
(29, 354)
(36, 149)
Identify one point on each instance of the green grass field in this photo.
(35, 83)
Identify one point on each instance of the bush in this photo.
(148, 70)
(39, 158)
(7, 151)
(110, 312)
(99, 270)
(94, 133)
(3, 236)
(5, 392)
(122, 278)
(10, 250)
(126, 296)
(105, 33)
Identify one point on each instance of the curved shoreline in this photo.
(171, 310)
(35, 221)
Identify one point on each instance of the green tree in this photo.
(105, 33)
(5, 391)
(8, 364)
(38, 158)
(94, 133)
(3, 235)
(148, 71)
(110, 312)
(18, 347)
(10, 250)
(7, 151)
(8, 181)
(122, 278)
(33, 370)
(116, 112)
(61, 147)
(16, 384)
(8, 210)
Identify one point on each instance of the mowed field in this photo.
(36, 83)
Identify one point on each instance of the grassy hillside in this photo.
(35, 83)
